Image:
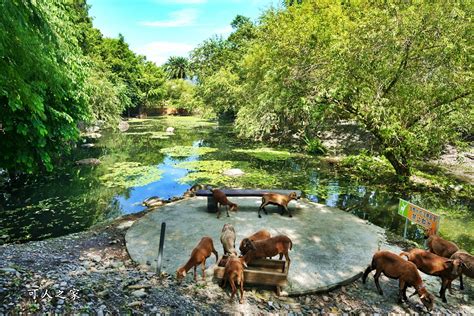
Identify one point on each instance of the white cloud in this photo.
(159, 52)
(185, 17)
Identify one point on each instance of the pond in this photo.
(147, 161)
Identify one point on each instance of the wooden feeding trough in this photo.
(260, 272)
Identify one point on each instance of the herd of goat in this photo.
(443, 258)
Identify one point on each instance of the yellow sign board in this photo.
(419, 216)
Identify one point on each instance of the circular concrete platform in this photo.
(330, 247)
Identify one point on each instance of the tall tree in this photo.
(177, 67)
(42, 90)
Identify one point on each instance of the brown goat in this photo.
(260, 235)
(432, 264)
(406, 272)
(278, 245)
(198, 256)
(234, 273)
(440, 246)
(281, 200)
(221, 199)
(467, 267)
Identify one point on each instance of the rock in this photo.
(465, 298)
(136, 303)
(170, 130)
(60, 302)
(92, 135)
(95, 258)
(88, 145)
(123, 126)
(92, 129)
(63, 284)
(233, 172)
(88, 161)
(139, 293)
(307, 300)
(325, 298)
(153, 201)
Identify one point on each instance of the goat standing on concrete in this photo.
(278, 245)
(440, 246)
(198, 256)
(221, 199)
(260, 235)
(281, 200)
(234, 272)
(468, 265)
(228, 239)
(432, 264)
(406, 272)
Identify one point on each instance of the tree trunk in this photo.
(399, 164)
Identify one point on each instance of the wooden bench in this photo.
(212, 204)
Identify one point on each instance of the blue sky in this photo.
(162, 28)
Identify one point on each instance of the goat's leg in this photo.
(224, 280)
(195, 275)
(289, 212)
(203, 268)
(262, 206)
(442, 292)
(366, 273)
(241, 287)
(287, 257)
(460, 281)
(401, 291)
(215, 253)
(227, 210)
(218, 210)
(234, 288)
(405, 292)
(376, 279)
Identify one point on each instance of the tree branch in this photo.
(401, 67)
(437, 105)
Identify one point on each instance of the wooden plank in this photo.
(257, 277)
(245, 192)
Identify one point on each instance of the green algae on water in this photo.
(266, 154)
(130, 174)
(185, 151)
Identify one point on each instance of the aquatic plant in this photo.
(130, 174)
(266, 154)
(184, 151)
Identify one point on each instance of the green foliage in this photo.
(42, 90)
(177, 67)
(367, 167)
(400, 69)
(314, 146)
(180, 94)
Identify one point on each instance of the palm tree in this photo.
(177, 67)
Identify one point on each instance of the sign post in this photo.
(418, 215)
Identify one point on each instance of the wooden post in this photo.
(406, 228)
(160, 249)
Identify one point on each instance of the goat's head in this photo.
(234, 207)
(456, 266)
(293, 195)
(228, 227)
(180, 274)
(428, 300)
(246, 246)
